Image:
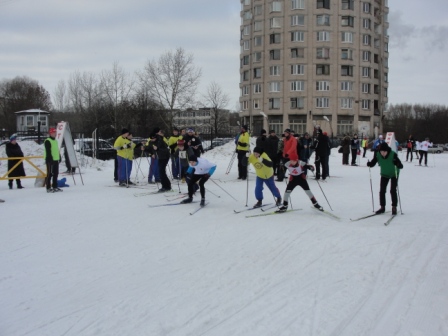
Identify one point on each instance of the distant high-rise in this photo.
(314, 62)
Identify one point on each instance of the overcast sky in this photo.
(47, 40)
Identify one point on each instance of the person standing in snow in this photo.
(52, 159)
(364, 145)
(265, 175)
(424, 145)
(172, 143)
(243, 148)
(390, 166)
(377, 143)
(322, 148)
(160, 146)
(354, 147)
(272, 149)
(410, 144)
(201, 170)
(13, 150)
(125, 157)
(297, 177)
(181, 157)
(345, 144)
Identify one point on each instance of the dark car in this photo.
(86, 146)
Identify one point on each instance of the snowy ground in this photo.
(96, 260)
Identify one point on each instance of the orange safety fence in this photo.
(21, 159)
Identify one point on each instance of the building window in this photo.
(323, 20)
(375, 73)
(366, 7)
(29, 121)
(348, 21)
(244, 105)
(276, 6)
(245, 60)
(346, 86)
(258, 41)
(257, 56)
(274, 103)
(322, 102)
(323, 36)
(385, 92)
(347, 37)
(366, 39)
(274, 70)
(347, 54)
(246, 2)
(348, 4)
(297, 86)
(323, 86)
(366, 72)
(323, 53)
(366, 56)
(322, 69)
(298, 123)
(274, 86)
(297, 103)
(257, 88)
(275, 38)
(323, 4)
(245, 90)
(366, 23)
(298, 20)
(257, 72)
(365, 88)
(246, 45)
(365, 104)
(275, 22)
(375, 58)
(297, 4)
(346, 103)
(376, 43)
(245, 75)
(386, 77)
(297, 52)
(256, 103)
(276, 124)
(274, 54)
(258, 10)
(246, 30)
(297, 36)
(258, 25)
(376, 89)
(345, 126)
(297, 69)
(347, 70)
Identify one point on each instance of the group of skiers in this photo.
(183, 148)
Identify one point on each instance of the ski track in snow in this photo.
(97, 261)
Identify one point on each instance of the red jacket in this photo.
(290, 148)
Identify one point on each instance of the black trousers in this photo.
(166, 184)
(354, 154)
(423, 154)
(52, 174)
(407, 154)
(195, 178)
(393, 190)
(242, 164)
(322, 161)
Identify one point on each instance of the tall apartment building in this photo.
(314, 62)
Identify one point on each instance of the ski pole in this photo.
(211, 192)
(371, 190)
(323, 192)
(398, 190)
(180, 174)
(232, 159)
(247, 181)
(223, 189)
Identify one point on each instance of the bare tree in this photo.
(217, 100)
(116, 87)
(172, 81)
(60, 97)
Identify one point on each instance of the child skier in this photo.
(201, 170)
(297, 177)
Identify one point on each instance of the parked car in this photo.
(105, 150)
(445, 147)
(435, 149)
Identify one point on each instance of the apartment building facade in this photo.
(314, 62)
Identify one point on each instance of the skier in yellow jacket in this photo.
(243, 148)
(125, 156)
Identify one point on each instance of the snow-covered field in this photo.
(97, 260)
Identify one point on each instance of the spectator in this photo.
(13, 150)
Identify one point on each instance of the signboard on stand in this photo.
(63, 135)
(390, 140)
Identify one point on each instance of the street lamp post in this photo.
(38, 128)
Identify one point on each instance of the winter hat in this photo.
(263, 131)
(245, 127)
(325, 133)
(52, 130)
(380, 136)
(258, 150)
(190, 130)
(271, 131)
(193, 158)
(384, 147)
(124, 131)
(175, 129)
(293, 156)
(13, 137)
(180, 142)
(318, 131)
(287, 130)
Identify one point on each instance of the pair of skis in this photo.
(390, 219)
(179, 203)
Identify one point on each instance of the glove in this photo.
(125, 146)
(236, 150)
(247, 154)
(310, 167)
(260, 159)
(369, 164)
(206, 177)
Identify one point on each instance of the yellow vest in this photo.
(261, 170)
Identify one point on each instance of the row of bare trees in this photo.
(418, 120)
(113, 99)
